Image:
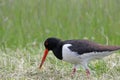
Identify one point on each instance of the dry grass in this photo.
(21, 64)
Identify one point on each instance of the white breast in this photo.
(69, 55)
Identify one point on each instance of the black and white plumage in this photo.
(77, 52)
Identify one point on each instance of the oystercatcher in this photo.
(77, 51)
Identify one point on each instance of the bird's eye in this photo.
(46, 43)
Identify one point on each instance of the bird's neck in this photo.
(58, 51)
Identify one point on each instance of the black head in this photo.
(51, 43)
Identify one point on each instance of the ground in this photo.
(22, 65)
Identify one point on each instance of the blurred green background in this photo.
(24, 22)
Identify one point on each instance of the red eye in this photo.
(46, 43)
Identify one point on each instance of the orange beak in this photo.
(44, 57)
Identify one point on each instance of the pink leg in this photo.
(88, 72)
(73, 72)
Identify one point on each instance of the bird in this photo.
(77, 51)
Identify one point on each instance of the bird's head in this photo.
(49, 44)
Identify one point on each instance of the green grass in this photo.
(24, 25)
(23, 22)
(21, 64)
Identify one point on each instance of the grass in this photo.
(37, 20)
(22, 65)
(24, 25)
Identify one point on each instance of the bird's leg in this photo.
(84, 64)
(73, 72)
(88, 72)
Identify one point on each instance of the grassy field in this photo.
(20, 64)
(24, 25)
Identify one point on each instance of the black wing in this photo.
(85, 46)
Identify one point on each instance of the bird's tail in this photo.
(110, 48)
